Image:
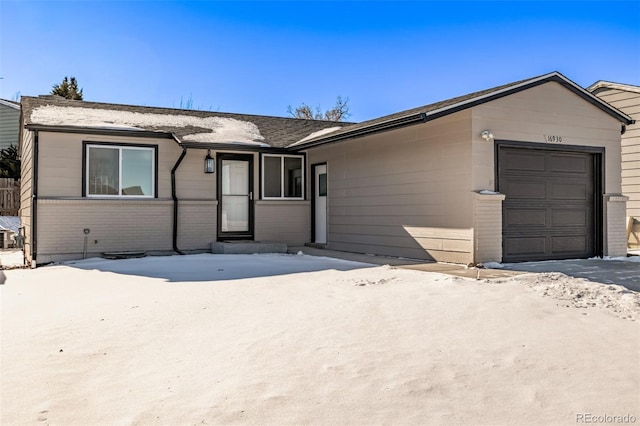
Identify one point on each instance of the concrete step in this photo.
(247, 247)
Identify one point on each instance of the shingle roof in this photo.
(203, 128)
(279, 132)
(449, 106)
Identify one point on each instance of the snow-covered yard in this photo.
(286, 339)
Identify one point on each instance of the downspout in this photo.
(34, 203)
(175, 201)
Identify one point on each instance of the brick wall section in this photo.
(615, 218)
(115, 225)
(197, 224)
(487, 227)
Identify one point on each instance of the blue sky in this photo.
(260, 57)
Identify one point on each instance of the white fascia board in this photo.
(9, 104)
(611, 85)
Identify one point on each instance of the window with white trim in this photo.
(282, 177)
(120, 171)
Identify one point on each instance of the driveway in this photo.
(622, 272)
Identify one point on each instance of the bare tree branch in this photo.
(338, 113)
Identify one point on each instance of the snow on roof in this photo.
(221, 129)
(9, 223)
(319, 133)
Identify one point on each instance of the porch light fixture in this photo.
(209, 164)
(487, 135)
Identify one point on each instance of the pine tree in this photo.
(68, 89)
(9, 163)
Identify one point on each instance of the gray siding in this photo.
(9, 125)
(402, 193)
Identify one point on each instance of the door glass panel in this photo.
(235, 177)
(235, 213)
(235, 196)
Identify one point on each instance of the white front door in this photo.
(320, 203)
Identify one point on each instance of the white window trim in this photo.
(120, 148)
(282, 157)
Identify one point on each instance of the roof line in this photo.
(477, 100)
(83, 104)
(231, 147)
(100, 131)
(378, 127)
(612, 85)
(10, 104)
(536, 81)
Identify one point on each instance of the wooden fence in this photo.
(9, 196)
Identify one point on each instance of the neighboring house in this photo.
(524, 171)
(9, 123)
(9, 228)
(626, 98)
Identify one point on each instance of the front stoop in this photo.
(247, 247)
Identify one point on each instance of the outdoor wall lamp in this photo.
(209, 164)
(487, 135)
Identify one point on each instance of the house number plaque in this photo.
(553, 138)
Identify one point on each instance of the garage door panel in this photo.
(562, 217)
(569, 244)
(570, 191)
(569, 163)
(568, 218)
(548, 211)
(527, 190)
(523, 161)
(526, 217)
(518, 246)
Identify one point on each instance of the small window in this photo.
(120, 171)
(322, 185)
(282, 177)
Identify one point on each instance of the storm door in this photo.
(235, 199)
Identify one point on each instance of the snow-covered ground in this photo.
(295, 339)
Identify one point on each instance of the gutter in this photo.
(100, 131)
(379, 127)
(34, 202)
(175, 201)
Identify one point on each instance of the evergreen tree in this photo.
(9, 163)
(338, 113)
(68, 89)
